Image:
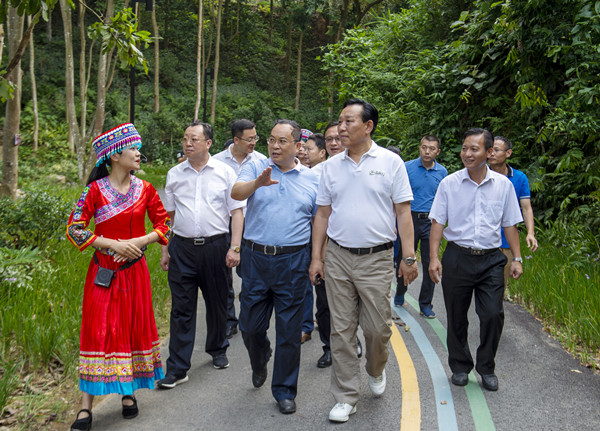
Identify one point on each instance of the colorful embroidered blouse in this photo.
(116, 215)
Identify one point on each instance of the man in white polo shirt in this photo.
(362, 193)
(198, 200)
(469, 208)
(236, 155)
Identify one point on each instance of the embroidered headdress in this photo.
(305, 134)
(115, 140)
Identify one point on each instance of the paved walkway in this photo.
(541, 386)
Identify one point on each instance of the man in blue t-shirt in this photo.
(425, 175)
(497, 162)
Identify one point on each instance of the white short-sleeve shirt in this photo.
(201, 199)
(226, 157)
(362, 196)
(475, 212)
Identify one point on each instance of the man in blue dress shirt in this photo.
(281, 195)
(425, 175)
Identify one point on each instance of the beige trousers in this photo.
(358, 292)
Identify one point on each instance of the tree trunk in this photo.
(199, 74)
(213, 103)
(156, 62)
(288, 55)
(1, 40)
(83, 75)
(10, 152)
(85, 155)
(65, 11)
(298, 71)
(49, 26)
(36, 118)
(271, 23)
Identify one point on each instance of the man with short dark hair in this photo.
(333, 144)
(281, 195)
(198, 200)
(363, 192)
(469, 208)
(425, 175)
(236, 155)
(498, 163)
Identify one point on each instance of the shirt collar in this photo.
(464, 175)
(209, 164)
(299, 166)
(509, 171)
(435, 166)
(371, 153)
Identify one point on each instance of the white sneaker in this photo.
(341, 412)
(377, 384)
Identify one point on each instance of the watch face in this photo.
(409, 260)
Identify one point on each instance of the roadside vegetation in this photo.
(521, 69)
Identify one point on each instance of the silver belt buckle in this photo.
(199, 241)
(270, 254)
(477, 252)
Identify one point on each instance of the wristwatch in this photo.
(518, 259)
(409, 260)
(236, 248)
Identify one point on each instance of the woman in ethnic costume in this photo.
(119, 350)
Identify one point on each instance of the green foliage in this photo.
(561, 284)
(34, 220)
(520, 69)
(122, 33)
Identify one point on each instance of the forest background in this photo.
(527, 70)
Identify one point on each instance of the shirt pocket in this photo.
(492, 211)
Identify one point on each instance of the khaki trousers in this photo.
(358, 292)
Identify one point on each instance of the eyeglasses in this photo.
(330, 139)
(250, 140)
(498, 150)
(192, 140)
(281, 141)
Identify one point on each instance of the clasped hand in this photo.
(127, 249)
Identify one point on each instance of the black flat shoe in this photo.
(325, 360)
(489, 381)
(287, 406)
(84, 424)
(129, 412)
(460, 379)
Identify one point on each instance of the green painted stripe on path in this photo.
(482, 417)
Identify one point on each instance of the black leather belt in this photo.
(368, 250)
(471, 251)
(273, 250)
(420, 215)
(203, 240)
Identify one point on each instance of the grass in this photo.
(563, 290)
(40, 323)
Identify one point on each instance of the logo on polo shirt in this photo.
(377, 173)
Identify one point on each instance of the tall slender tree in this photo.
(34, 101)
(156, 61)
(10, 151)
(213, 103)
(199, 70)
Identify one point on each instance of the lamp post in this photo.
(149, 5)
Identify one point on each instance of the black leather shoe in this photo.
(231, 331)
(130, 411)
(83, 424)
(460, 379)
(325, 360)
(489, 382)
(287, 406)
(259, 377)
